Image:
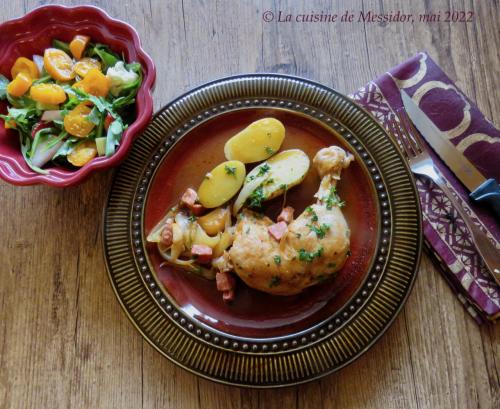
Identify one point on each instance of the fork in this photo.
(421, 163)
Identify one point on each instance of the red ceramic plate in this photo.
(31, 34)
(254, 313)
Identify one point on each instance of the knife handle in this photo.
(488, 192)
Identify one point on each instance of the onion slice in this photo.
(49, 116)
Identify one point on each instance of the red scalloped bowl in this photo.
(31, 34)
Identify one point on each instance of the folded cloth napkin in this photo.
(446, 235)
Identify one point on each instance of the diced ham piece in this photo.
(189, 197)
(225, 281)
(277, 230)
(286, 215)
(202, 253)
(228, 296)
(197, 209)
(167, 233)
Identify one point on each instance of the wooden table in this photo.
(64, 340)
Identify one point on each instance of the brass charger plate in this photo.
(300, 355)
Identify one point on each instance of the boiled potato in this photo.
(221, 184)
(258, 141)
(273, 177)
(215, 221)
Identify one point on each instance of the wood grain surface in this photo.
(64, 341)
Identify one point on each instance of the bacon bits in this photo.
(277, 230)
(202, 253)
(225, 283)
(189, 199)
(286, 215)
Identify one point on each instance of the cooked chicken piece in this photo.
(313, 247)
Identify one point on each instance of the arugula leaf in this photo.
(25, 147)
(95, 116)
(107, 57)
(42, 80)
(77, 95)
(114, 136)
(56, 139)
(66, 148)
(3, 86)
(21, 102)
(62, 46)
(37, 139)
(24, 118)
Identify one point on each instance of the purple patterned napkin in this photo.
(446, 235)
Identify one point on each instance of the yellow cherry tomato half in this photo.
(94, 83)
(10, 124)
(52, 94)
(25, 65)
(58, 64)
(19, 85)
(83, 66)
(83, 153)
(77, 45)
(76, 121)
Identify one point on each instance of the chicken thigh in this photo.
(313, 247)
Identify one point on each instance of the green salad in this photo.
(72, 104)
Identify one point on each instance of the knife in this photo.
(482, 190)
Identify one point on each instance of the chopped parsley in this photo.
(256, 198)
(309, 256)
(284, 187)
(269, 150)
(263, 169)
(192, 218)
(277, 259)
(230, 170)
(312, 213)
(332, 199)
(320, 230)
(275, 281)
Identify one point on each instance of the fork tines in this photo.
(405, 133)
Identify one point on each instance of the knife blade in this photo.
(482, 190)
